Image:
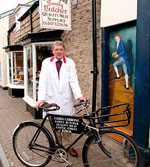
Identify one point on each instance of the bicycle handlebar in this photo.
(83, 104)
(50, 107)
(53, 106)
(78, 104)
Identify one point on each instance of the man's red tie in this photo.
(58, 65)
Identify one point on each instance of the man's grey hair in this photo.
(58, 43)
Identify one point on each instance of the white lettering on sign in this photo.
(66, 124)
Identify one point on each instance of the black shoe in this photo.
(117, 77)
(126, 87)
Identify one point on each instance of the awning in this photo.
(42, 37)
(13, 48)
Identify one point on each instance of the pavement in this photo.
(12, 113)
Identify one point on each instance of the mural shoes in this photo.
(126, 87)
(73, 152)
(117, 77)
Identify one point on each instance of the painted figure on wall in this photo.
(122, 59)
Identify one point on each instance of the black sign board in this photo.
(68, 124)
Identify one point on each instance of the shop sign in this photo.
(55, 14)
(70, 124)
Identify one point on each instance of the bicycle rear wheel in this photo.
(36, 154)
(116, 150)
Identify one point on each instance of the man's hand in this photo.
(82, 99)
(116, 56)
(39, 104)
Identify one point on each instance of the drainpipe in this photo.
(31, 25)
(94, 72)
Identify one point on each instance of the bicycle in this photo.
(35, 146)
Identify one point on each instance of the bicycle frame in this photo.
(57, 143)
(90, 127)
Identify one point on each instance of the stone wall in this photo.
(25, 28)
(36, 20)
(12, 37)
(79, 46)
(11, 20)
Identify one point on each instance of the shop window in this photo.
(42, 52)
(29, 72)
(0, 72)
(34, 56)
(18, 74)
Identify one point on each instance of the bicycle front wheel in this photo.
(116, 149)
(35, 154)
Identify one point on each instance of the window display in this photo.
(34, 55)
(16, 74)
(42, 52)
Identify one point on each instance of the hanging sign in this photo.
(55, 14)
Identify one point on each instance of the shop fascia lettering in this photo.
(54, 7)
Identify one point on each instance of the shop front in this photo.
(36, 47)
(37, 44)
(15, 75)
(27, 47)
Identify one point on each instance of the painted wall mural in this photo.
(122, 55)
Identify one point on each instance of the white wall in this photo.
(117, 11)
(3, 55)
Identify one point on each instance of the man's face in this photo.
(58, 51)
(117, 39)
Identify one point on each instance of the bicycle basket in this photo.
(114, 116)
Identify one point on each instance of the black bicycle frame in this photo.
(90, 127)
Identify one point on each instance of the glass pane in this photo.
(42, 51)
(30, 72)
(18, 75)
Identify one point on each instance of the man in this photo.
(58, 80)
(122, 59)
